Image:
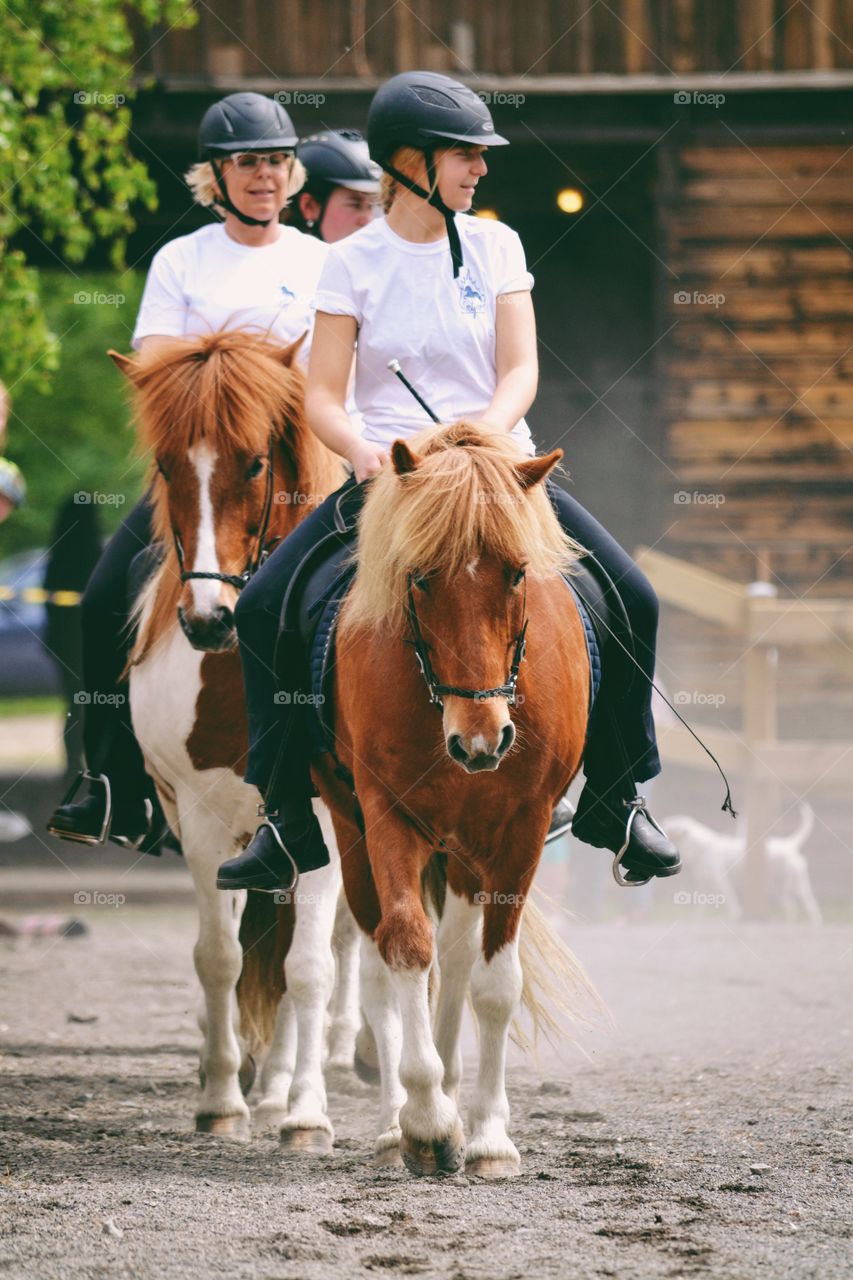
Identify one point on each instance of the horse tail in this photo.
(266, 929)
(556, 989)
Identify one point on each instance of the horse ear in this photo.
(125, 364)
(534, 470)
(402, 458)
(289, 354)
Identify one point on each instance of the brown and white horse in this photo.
(460, 558)
(235, 468)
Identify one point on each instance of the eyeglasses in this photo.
(249, 160)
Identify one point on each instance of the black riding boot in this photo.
(284, 845)
(616, 818)
(134, 824)
(289, 841)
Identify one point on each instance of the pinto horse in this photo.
(461, 695)
(235, 467)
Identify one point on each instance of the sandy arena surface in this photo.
(707, 1135)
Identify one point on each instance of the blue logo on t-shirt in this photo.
(287, 295)
(471, 296)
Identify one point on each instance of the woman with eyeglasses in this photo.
(246, 270)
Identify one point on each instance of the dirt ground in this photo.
(707, 1135)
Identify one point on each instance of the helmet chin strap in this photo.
(226, 200)
(436, 201)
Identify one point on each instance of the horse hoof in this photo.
(427, 1158)
(248, 1071)
(223, 1126)
(306, 1142)
(493, 1167)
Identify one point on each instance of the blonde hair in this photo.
(408, 160)
(201, 181)
(463, 498)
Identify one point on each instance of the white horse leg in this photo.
(309, 971)
(279, 1066)
(495, 991)
(383, 1018)
(432, 1137)
(218, 960)
(459, 941)
(345, 1013)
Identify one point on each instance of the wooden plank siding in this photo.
(758, 370)
(293, 39)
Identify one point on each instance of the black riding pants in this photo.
(621, 741)
(108, 738)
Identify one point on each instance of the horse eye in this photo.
(163, 472)
(255, 468)
(518, 576)
(420, 582)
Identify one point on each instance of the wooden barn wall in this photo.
(293, 39)
(757, 374)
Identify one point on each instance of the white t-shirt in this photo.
(409, 307)
(206, 281)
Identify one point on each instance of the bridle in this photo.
(263, 546)
(437, 691)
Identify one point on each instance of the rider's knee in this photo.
(644, 605)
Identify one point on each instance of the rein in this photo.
(437, 691)
(262, 547)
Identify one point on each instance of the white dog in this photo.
(714, 860)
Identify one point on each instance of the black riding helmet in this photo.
(336, 158)
(421, 109)
(243, 122)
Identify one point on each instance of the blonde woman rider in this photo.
(450, 296)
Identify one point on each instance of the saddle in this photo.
(320, 585)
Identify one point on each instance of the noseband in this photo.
(437, 691)
(262, 547)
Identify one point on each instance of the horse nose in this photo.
(475, 753)
(212, 632)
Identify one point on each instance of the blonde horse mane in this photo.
(462, 500)
(232, 388)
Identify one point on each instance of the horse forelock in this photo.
(463, 500)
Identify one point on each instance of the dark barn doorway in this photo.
(596, 274)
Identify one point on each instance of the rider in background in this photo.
(450, 296)
(340, 191)
(244, 271)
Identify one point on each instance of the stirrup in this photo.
(274, 829)
(85, 776)
(635, 805)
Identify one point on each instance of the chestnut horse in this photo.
(457, 752)
(235, 467)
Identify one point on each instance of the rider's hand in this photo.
(366, 459)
